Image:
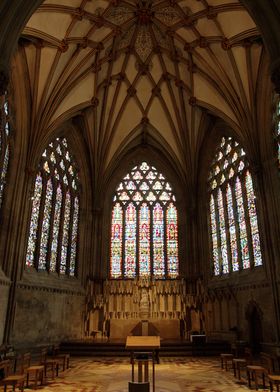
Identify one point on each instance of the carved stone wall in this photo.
(135, 300)
(227, 312)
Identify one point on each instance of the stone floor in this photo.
(172, 375)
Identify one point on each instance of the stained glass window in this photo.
(4, 143)
(234, 230)
(54, 220)
(144, 229)
(277, 125)
(130, 241)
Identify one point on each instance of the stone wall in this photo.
(45, 314)
(235, 310)
(4, 295)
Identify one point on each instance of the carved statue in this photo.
(144, 304)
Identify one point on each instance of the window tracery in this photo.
(144, 229)
(53, 230)
(277, 127)
(235, 236)
(4, 144)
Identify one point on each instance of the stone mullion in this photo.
(48, 256)
(60, 233)
(235, 213)
(40, 220)
(225, 205)
(247, 219)
(70, 232)
(217, 218)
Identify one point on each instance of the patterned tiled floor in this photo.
(172, 375)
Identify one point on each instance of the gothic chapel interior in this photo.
(140, 158)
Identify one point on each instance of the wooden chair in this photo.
(254, 372)
(274, 379)
(63, 358)
(32, 370)
(14, 380)
(49, 363)
(225, 359)
(241, 363)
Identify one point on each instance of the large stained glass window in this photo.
(53, 228)
(144, 230)
(234, 229)
(4, 143)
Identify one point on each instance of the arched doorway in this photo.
(254, 316)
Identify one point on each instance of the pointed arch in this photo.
(144, 226)
(234, 232)
(53, 227)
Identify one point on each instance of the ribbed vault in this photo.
(142, 70)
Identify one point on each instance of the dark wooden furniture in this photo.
(225, 359)
(62, 358)
(49, 363)
(13, 380)
(34, 371)
(143, 348)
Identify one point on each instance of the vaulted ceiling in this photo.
(142, 70)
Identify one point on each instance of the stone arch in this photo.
(114, 175)
(254, 317)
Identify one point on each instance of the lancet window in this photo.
(4, 144)
(144, 229)
(53, 230)
(277, 127)
(235, 239)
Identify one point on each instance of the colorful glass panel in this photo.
(223, 236)
(144, 188)
(45, 226)
(130, 242)
(215, 250)
(116, 241)
(232, 230)
(158, 242)
(228, 186)
(34, 221)
(253, 220)
(65, 234)
(278, 128)
(60, 188)
(4, 147)
(4, 173)
(242, 224)
(172, 241)
(144, 241)
(56, 225)
(74, 238)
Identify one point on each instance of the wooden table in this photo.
(142, 345)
